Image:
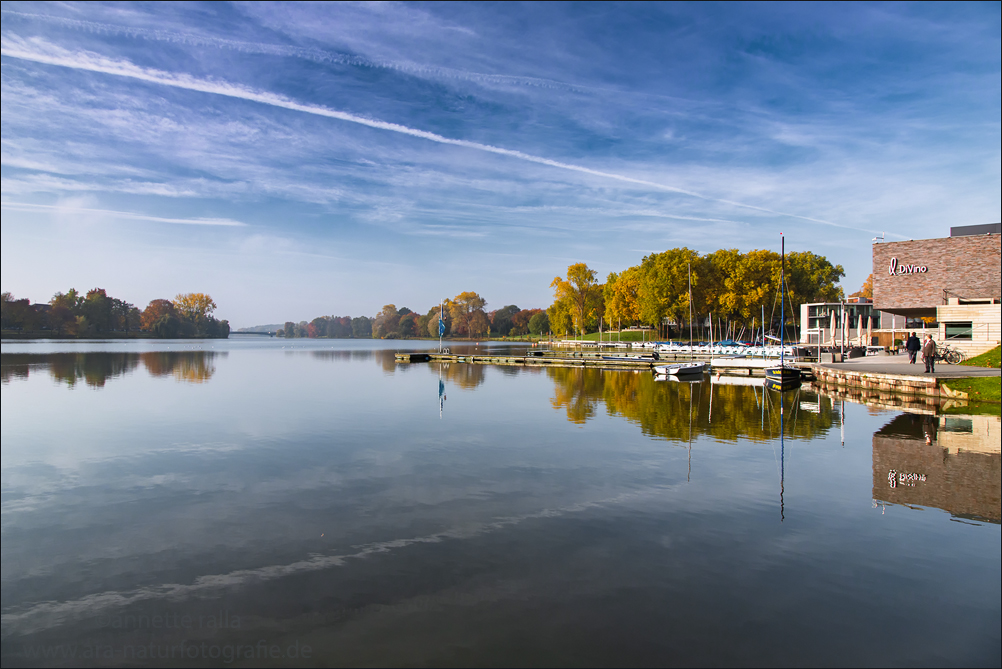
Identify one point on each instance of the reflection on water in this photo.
(669, 410)
(335, 500)
(952, 463)
(95, 369)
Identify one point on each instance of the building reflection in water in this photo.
(96, 369)
(948, 462)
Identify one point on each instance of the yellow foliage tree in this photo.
(580, 295)
(866, 290)
(620, 292)
(194, 306)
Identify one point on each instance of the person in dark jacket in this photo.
(913, 345)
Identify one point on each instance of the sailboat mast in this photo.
(690, 310)
(782, 303)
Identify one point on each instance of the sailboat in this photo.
(782, 377)
(686, 369)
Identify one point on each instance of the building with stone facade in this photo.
(955, 281)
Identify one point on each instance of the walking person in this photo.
(929, 354)
(913, 346)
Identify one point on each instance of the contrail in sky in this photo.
(39, 51)
(26, 206)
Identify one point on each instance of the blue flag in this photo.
(441, 327)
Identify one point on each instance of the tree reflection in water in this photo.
(661, 409)
(95, 369)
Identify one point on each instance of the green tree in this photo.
(501, 319)
(97, 309)
(361, 327)
(539, 323)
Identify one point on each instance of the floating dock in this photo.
(532, 358)
(581, 359)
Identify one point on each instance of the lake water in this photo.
(261, 502)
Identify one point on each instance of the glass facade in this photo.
(820, 315)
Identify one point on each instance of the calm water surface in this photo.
(260, 502)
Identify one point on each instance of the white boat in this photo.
(680, 369)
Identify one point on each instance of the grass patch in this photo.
(986, 359)
(980, 389)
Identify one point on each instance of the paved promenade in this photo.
(898, 365)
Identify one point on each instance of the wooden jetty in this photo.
(568, 359)
(532, 358)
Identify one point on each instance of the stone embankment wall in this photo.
(885, 386)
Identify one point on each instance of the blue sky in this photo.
(294, 160)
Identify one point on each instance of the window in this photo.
(958, 330)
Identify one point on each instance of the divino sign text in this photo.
(897, 269)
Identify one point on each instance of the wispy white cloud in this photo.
(41, 51)
(124, 215)
(316, 55)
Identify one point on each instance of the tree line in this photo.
(463, 316)
(732, 286)
(95, 313)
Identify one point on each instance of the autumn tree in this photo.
(620, 292)
(520, 321)
(194, 306)
(812, 278)
(63, 309)
(664, 285)
(866, 290)
(386, 321)
(464, 309)
(580, 295)
(407, 326)
(160, 317)
(558, 315)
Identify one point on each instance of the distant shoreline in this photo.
(6, 335)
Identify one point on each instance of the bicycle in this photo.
(950, 356)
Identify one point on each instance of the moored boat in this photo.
(680, 369)
(783, 377)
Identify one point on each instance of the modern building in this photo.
(835, 323)
(954, 281)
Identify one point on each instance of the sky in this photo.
(297, 160)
